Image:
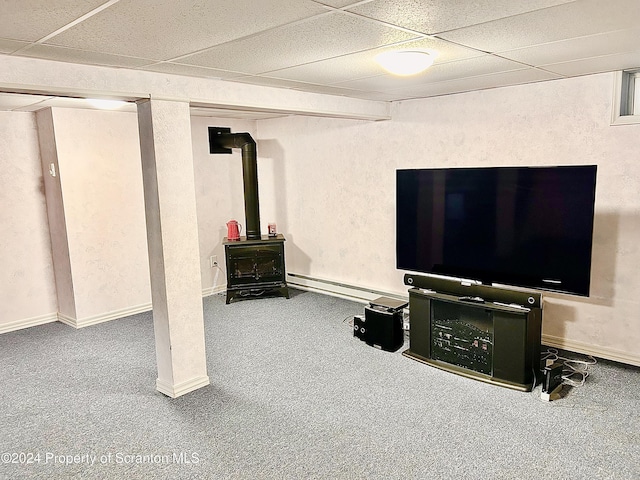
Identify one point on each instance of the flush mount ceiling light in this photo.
(405, 62)
(103, 104)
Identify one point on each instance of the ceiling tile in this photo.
(316, 88)
(328, 46)
(434, 16)
(31, 20)
(322, 37)
(471, 67)
(164, 29)
(189, 70)
(333, 90)
(10, 46)
(270, 82)
(570, 20)
(607, 63)
(577, 48)
(340, 3)
(73, 55)
(362, 64)
(515, 77)
(376, 96)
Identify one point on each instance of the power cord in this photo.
(348, 319)
(572, 367)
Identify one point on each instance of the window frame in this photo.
(626, 98)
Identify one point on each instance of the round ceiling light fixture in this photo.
(405, 62)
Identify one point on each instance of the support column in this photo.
(172, 237)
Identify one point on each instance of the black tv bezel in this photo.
(511, 279)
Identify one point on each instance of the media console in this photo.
(482, 338)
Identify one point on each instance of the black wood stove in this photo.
(255, 263)
(255, 267)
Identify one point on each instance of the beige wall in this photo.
(97, 213)
(100, 179)
(337, 188)
(219, 198)
(27, 292)
(329, 185)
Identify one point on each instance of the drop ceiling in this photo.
(328, 46)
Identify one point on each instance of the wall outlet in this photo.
(213, 261)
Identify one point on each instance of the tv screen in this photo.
(523, 226)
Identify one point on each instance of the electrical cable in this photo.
(350, 319)
(571, 367)
(535, 378)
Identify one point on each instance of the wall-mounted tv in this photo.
(522, 226)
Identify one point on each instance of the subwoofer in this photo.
(380, 328)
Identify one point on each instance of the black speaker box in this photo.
(380, 328)
(488, 293)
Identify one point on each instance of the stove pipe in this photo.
(249, 176)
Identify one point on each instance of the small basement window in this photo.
(626, 100)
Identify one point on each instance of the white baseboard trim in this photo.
(594, 350)
(67, 320)
(28, 322)
(125, 312)
(183, 388)
(103, 317)
(337, 289)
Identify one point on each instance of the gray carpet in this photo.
(293, 395)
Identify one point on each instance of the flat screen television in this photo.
(522, 226)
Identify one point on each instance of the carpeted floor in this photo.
(293, 395)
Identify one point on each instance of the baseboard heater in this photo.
(331, 287)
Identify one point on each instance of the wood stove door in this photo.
(254, 265)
